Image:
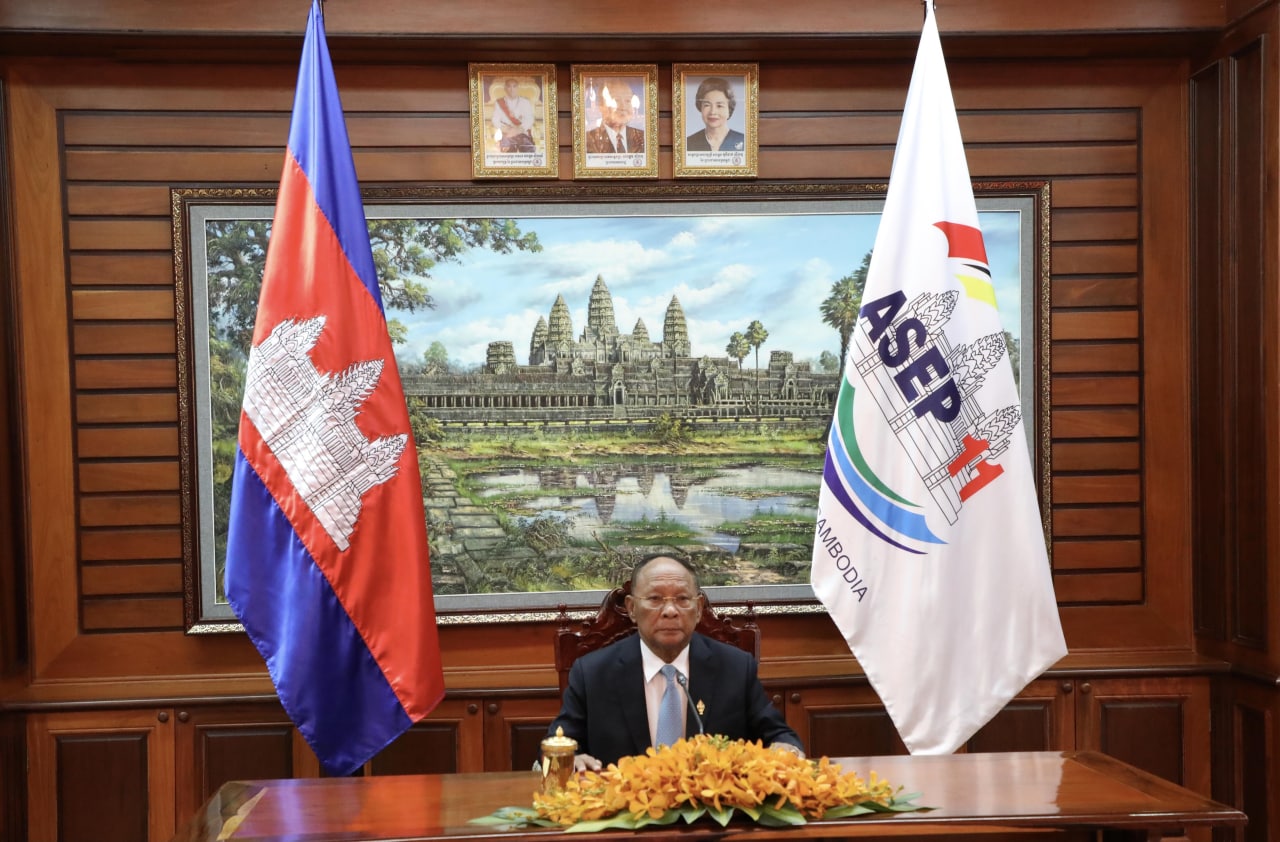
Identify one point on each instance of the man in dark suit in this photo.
(612, 705)
(618, 105)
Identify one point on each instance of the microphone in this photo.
(684, 685)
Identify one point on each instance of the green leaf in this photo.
(780, 816)
(622, 821)
(669, 817)
(692, 813)
(514, 817)
(722, 815)
(844, 811)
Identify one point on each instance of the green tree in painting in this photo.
(435, 359)
(829, 362)
(404, 253)
(756, 335)
(738, 348)
(840, 308)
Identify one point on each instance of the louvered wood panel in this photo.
(128, 476)
(127, 441)
(129, 509)
(1089, 521)
(1109, 192)
(1096, 455)
(1098, 588)
(117, 407)
(128, 544)
(127, 373)
(1094, 292)
(1071, 423)
(117, 199)
(154, 269)
(1095, 324)
(1072, 390)
(1095, 259)
(1113, 356)
(96, 234)
(122, 304)
(1110, 488)
(128, 139)
(124, 613)
(114, 579)
(1088, 224)
(124, 338)
(1096, 555)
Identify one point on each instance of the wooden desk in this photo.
(1062, 795)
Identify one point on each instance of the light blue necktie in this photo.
(670, 711)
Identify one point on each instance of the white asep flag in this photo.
(928, 551)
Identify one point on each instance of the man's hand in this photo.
(586, 763)
(796, 750)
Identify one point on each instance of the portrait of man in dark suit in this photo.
(666, 681)
(619, 104)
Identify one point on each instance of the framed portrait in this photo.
(514, 131)
(594, 372)
(615, 120)
(714, 115)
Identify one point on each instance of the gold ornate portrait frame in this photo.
(715, 144)
(514, 127)
(601, 150)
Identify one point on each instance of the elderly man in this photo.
(617, 109)
(624, 698)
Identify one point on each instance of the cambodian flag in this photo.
(327, 564)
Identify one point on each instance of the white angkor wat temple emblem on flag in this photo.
(307, 419)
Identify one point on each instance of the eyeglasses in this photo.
(657, 603)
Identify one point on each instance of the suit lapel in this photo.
(704, 677)
(630, 693)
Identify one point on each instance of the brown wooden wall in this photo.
(100, 144)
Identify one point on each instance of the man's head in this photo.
(617, 104)
(513, 88)
(665, 603)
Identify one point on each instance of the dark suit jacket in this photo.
(734, 141)
(597, 140)
(604, 708)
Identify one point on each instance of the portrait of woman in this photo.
(714, 111)
(716, 103)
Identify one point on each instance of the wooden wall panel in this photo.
(123, 139)
(1094, 256)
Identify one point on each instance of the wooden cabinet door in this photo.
(513, 731)
(1157, 724)
(450, 739)
(842, 722)
(213, 745)
(101, 776)
(1040, 718)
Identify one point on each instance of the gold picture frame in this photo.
(615, 120)
(514, 130)
(531, 429)
(722, 142)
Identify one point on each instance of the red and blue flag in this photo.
(327, 560)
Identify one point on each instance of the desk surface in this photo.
(972, 793)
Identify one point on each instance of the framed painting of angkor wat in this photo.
(593, 373)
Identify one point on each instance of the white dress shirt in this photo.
(655, 684)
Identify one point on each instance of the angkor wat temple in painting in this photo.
(607, 377)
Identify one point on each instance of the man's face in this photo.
(617, 109)
(513, 90)
(666, 606)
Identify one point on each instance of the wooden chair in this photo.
(612, 623)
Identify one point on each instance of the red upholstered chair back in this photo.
(573, 640)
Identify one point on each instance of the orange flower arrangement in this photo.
(712, 776)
